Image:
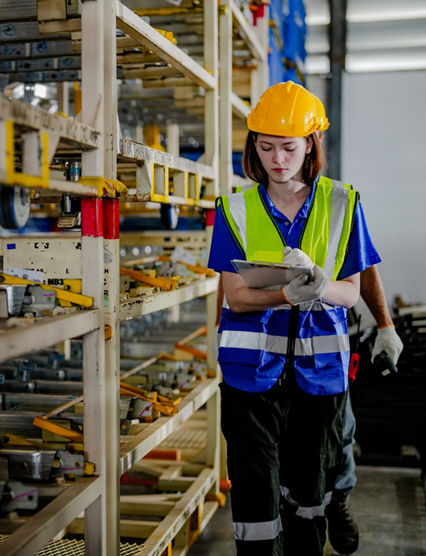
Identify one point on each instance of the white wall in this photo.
(384, 157)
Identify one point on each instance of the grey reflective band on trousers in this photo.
(258, 531)
(307, 512)
(278, 344)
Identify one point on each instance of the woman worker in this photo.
(284, 353)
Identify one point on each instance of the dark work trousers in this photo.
(284, 448)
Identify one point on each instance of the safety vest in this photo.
(254, 347)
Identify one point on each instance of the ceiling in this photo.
(382, 35)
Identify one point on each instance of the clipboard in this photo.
(258, 274)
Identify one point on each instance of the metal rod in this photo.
(337, 36)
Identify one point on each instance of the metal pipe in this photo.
(337, 55)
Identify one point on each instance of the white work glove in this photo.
(301, 289)
(387, 340)
(296, 257)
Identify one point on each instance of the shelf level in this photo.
(145, 305)
(138, 29)
(178, 517)
(247, 33)
(138, 446)
(46, 332)
(49, 521)
(23, 114)
(191, 180)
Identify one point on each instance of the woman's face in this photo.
(283, 157)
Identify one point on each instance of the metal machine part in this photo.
(21, 423)
(15, 296)
(37, 299)
(29, 463)
(15, 385)
(17, 496)
(27, 372)
(67, 463)
(42, 403)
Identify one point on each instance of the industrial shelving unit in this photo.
(177, 54)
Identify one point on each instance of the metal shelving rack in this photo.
(57, 41)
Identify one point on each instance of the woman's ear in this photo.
(309, 144)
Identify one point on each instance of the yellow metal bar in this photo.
(160, 197)
(104, 186)
(193, 196)
(162, 407)
(43, 423)
(195, 268)
(77, 98)
(76, 298)
(158, 281)
(152, 137)
(19, 178)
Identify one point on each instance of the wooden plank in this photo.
(145, 305)
(49, 521)
(209, 508)
(95, 65)
(239, 107)
(51, 9)
(225, 90)
(133, 504)
(247, 33)
(132, 528)
(138, 29)
(176, 484)
(46, 332)
(37, 118)
(137, 151)
(137, 447)
(177, 518)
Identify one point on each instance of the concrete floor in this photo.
(387, 503)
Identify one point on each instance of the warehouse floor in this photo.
(388, 504)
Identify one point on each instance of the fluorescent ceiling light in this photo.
(317, 19)
(356, 63)
(317, 65)
(359, 12)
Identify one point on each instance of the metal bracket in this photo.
(11, 176)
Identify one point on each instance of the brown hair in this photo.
(255, 171)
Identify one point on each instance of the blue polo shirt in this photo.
(361, 252)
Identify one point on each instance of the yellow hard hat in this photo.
(323, 123)
(285, 109)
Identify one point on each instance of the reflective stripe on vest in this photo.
(257, 531)
(315, 345)
(325, 236)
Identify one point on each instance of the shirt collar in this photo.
(303, 212)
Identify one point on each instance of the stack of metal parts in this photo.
(17, 299)
(30, 460)
(151, 274)
(391, 410)
(154, 333)
(34, 456)
(42, 46)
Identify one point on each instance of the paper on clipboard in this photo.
(258, 274)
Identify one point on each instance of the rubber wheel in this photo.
(15, 204)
